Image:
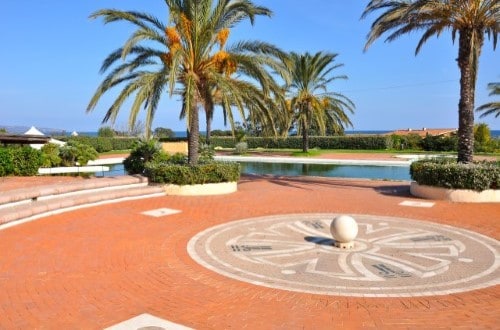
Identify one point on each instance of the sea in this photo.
(180, 134)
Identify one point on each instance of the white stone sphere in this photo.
(344, 229)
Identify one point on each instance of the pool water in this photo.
(329, 170)
(323, 170)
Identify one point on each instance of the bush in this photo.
(105, 131)
(74, 152)
(440, 143)
(214, 172)
(143, 152)
(161, 132)
(206, 153)
(6, 165)
(19, 161)
(373, 142)
(477, 176)
(50, 155)
(241, 148)
(105, 144)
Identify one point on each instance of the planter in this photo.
(455, 195)
(201, 189)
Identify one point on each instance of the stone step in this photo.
(17, 212)
(24, 195)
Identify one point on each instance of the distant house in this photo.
(424, 131)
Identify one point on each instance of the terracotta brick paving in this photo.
(95, 267)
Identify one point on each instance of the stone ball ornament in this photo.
(344, 230)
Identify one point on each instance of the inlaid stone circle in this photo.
(391, 257)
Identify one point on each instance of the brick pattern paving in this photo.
(95, 267)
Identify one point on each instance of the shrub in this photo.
(372, 142)
(26, 161)
(214, 172)
(161, 132)
(124, 143)
(206, 152)
(404, 142)
(74, 152)
(440, 143)
(143, 152)
(6, 165)
(19, 161)
(50, 155)
(104, 144)
(477, 176)
(241, 148)
(105, 131)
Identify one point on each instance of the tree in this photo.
(471, 19)
(191, 61)
(492, 107)
(309, 99)
(482, 133)
(162, 132)
(105, 131)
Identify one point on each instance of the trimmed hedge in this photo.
(105, 144)
(449, 174)
(375, 142)
(20, 161)
(214, 172)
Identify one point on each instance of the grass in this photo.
(310, 153)
(115, 152)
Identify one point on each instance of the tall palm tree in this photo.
(492, 107)
(471, 19)
(191, 60)
(308, 97)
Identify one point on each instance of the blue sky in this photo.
(52, 52)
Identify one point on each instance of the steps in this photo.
(19, 205)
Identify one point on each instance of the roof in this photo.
(424, 131)
(33, 131)
(23, 139)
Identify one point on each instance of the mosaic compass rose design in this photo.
(392, 257)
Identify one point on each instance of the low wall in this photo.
(201, 189)
(175, 147)
(455, 195)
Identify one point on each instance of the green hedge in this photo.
(375, 142)
(477, 176)
(214, 172)
(104, 144)
(20, 161)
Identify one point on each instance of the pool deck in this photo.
(94, 268)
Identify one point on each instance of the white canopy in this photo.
(33, 131)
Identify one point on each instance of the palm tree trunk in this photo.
(208, 128)
(305, 137)
(194, 136)
(467, 62)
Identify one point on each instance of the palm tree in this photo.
(492, 107)
(308, 99)
(471, 19)
(192, 61)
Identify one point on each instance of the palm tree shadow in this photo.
(395, 189)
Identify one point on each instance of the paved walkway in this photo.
(96, 267)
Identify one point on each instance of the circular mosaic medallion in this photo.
(391, 257)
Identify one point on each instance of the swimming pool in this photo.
(297, 169)
(329, 170)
